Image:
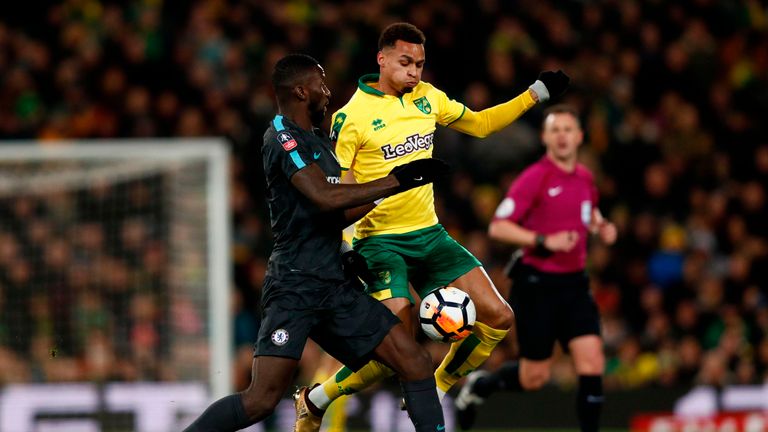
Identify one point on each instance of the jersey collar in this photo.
(361, 84)
(552, 165)
(282, 123)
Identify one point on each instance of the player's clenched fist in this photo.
(354, 265)
(420, 172)
(561, 241)
(550, 85)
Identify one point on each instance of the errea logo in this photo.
(412, 143)
(378, 124)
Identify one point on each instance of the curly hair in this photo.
(400, 31)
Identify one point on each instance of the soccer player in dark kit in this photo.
(306, 294)
(549, 210)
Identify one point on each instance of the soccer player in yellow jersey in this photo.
(391, 120)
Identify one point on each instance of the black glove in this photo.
(420, 172)
(555, 83)
(355, 266)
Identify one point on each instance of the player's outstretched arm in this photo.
(311, 182)
(480, 124)
(433, 169)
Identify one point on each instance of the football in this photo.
(447, 315)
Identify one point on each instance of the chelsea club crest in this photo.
(280, 337)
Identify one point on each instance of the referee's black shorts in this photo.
(550, 307)
(345, 322)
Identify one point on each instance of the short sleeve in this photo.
(286, 152)
(345, 137)
(450, 109)
(519, 198)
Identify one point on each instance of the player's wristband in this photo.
(539, 248)
(541, 90)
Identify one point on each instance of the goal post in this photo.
(113, 211)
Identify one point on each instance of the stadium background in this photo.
(673, 97)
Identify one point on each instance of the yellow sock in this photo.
(335, 416)
(467, 355)
(346, 382)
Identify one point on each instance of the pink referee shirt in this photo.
(546, 199)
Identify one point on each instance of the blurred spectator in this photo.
(673, 96)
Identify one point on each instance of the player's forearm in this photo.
(490, 120)
(312, 183)
(511, 233)
(354, 214)
(357, 196)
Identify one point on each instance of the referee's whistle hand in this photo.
(562, 241)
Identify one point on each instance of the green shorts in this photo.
(429, 258)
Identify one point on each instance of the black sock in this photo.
(423, 405)
(589, 402)
(225, 415)
(507, 377)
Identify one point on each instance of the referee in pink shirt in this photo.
(549, 211)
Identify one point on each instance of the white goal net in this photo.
(114, 284)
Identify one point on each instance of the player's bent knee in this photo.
(416, 363)
(535, 380)
(589, 361)
(420, 365)
(408, 359)
(259, 405)
(499, 316)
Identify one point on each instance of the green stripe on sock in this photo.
(342, 374)
(462, 354)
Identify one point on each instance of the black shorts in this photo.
(345, 322)
(551, 307)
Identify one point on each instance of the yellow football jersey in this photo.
(375, 132)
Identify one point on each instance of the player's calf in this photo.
(260, 404)
(413, 364)
(409, 360)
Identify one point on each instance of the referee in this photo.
(306, 294)
(549, 211)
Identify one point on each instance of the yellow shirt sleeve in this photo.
(490, 120)
(449, 109)
(346, 139)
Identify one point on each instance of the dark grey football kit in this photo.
(306, 294)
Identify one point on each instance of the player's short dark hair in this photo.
(291, 68)
(561, 109)
(403, 31)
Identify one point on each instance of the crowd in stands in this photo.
(673, 98)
